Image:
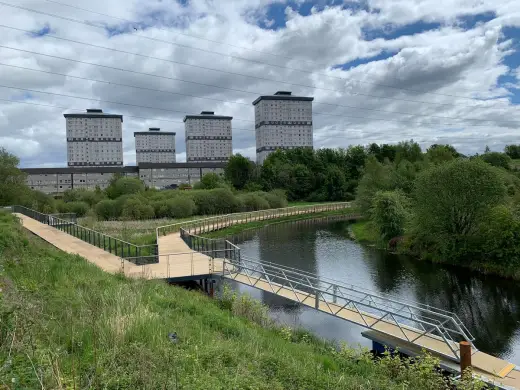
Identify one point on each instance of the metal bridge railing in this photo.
(183, 264)
(362, 289)
(205, 225)
(435, 329)
(116, 246)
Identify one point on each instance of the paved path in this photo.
(175, 265)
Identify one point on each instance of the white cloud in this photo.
(440, 66)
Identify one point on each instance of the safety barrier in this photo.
(140, 254)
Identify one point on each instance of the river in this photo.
(487, 305)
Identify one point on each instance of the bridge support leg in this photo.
(317, 302)
(211, 288)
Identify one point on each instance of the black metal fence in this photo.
(215, 247)
(138, 254)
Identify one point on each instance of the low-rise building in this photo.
(58, 180)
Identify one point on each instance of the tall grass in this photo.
(65, 324)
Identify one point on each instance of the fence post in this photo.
(335, 293)
(465, 357)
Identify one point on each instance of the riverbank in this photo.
(235, 229)
(67, 324)
(363, 232)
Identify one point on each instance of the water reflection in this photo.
(488, 306)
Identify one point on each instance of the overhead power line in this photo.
(122, 85)
(243, 58)
(106, 101)
(80, 109)
(244, 75)
(243, 91)
(163, 109)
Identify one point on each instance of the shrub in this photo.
(253, 202)
(217, 201)
(124, 186)
(178, 207)
(79, 208)
(61, 206)
(209, 181)
(39, 201)
(106, 210)
(181, 207)
(135, 208)
(274, 199)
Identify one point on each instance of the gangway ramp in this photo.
(435, 330)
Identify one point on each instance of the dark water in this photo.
(488, 306)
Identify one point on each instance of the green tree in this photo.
(496, 159)
(124, 186)
(408, 150)
(389, 213)
(209, 181)
(451, 200)
(12, 179)
(335, 184)
(376, 178)
(513, 151)
(438, 154)
(499, 237)
(239, 171)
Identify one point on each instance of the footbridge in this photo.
(183, 254)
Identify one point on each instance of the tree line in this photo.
(435, 203)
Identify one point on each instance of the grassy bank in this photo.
(66, 324)
(364, 232)
(235, 229)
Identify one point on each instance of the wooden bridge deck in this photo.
(177, 265)
(496, 369)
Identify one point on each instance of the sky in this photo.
(384, 71)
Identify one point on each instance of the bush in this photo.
(217, 201)
(178, 207)
(253, 202)
(39, 201)
(181, 207)
(106, 210)
(135, 208)
(209, 181)
(274, 199)
(124, 186)
(61, 206)
(79, 208)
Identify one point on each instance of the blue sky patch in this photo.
(393, 32)
(467, 22)
(42, 31)
(275, 13)
(360, 61)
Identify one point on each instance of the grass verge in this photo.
(363, 231)
(65, 324)
(235, 229)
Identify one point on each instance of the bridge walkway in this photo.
(177, 265)
(403, 325)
